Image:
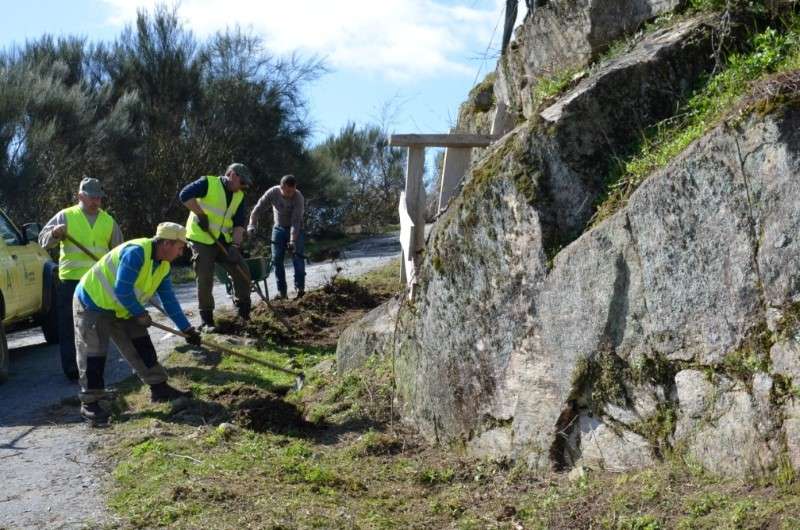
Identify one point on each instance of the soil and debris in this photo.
(316, 320)
(261, 411)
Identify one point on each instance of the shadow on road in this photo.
(37, 393)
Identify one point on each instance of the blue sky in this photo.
(416, 59)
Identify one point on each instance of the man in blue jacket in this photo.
(109, 304)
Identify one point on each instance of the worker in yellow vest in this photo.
(109, 304)
(91, 226)
(217, 218)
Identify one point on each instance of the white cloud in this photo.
(399, 39)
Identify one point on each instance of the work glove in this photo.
(202, 220)
(251, 232)
(59, 231)
(143, 320)
(290, 247)
(192, 336)
(234, 256)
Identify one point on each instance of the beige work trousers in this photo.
(93, 331)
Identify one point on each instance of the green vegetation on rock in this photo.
(774, 50)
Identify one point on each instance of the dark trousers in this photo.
(280, 239)
(203, 258)
(66, 330)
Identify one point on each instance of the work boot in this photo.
(243, 311)
(207, 317)
(94, 413)
(163, 392)
(300, 293)
(281, 296)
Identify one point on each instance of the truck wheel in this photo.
(50, 319)
(3, 354)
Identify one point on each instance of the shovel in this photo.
(299, 376)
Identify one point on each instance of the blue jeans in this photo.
(280, 238)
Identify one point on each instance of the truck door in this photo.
(31, 270)
(10, 279)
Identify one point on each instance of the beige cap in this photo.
(172, 231)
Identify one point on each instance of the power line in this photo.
(488, 47)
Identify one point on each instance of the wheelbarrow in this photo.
(259, 267)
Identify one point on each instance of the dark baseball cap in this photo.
(242, 171)
(91, 187)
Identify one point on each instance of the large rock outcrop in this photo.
(563, 34)
(649, 330)
(671, 325)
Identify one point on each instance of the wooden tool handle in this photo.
(84, 249)
(229, 351)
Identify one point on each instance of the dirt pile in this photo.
(261, 411)
(316, 320)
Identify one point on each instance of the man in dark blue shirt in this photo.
(218, 217)
(199, 188)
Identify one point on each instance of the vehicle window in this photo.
(8, 232)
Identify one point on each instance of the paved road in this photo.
(50, 476)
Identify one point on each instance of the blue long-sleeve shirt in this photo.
(199, 189)
(131, 262)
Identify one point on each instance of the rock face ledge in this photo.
(649, 331)
(566, 34)
(672, 325)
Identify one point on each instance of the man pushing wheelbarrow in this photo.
(287, 231)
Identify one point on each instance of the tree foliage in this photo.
(146, 114)
(371, 172)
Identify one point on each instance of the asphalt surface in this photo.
(50, 475)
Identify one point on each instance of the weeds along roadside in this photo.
(247, 452)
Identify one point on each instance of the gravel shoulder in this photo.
(50, 475)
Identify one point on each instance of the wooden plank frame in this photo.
(412, 201)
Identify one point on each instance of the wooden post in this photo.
(415, 207)
(412, 200)
(441, 140)
(456, 164)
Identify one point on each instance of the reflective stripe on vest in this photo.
(220, 219)
(99, 281)
(73, 262)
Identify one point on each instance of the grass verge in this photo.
(248, 452)
(325, 247)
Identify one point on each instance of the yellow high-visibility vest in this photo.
(98, 283)
(73, 262)
(220, 219)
